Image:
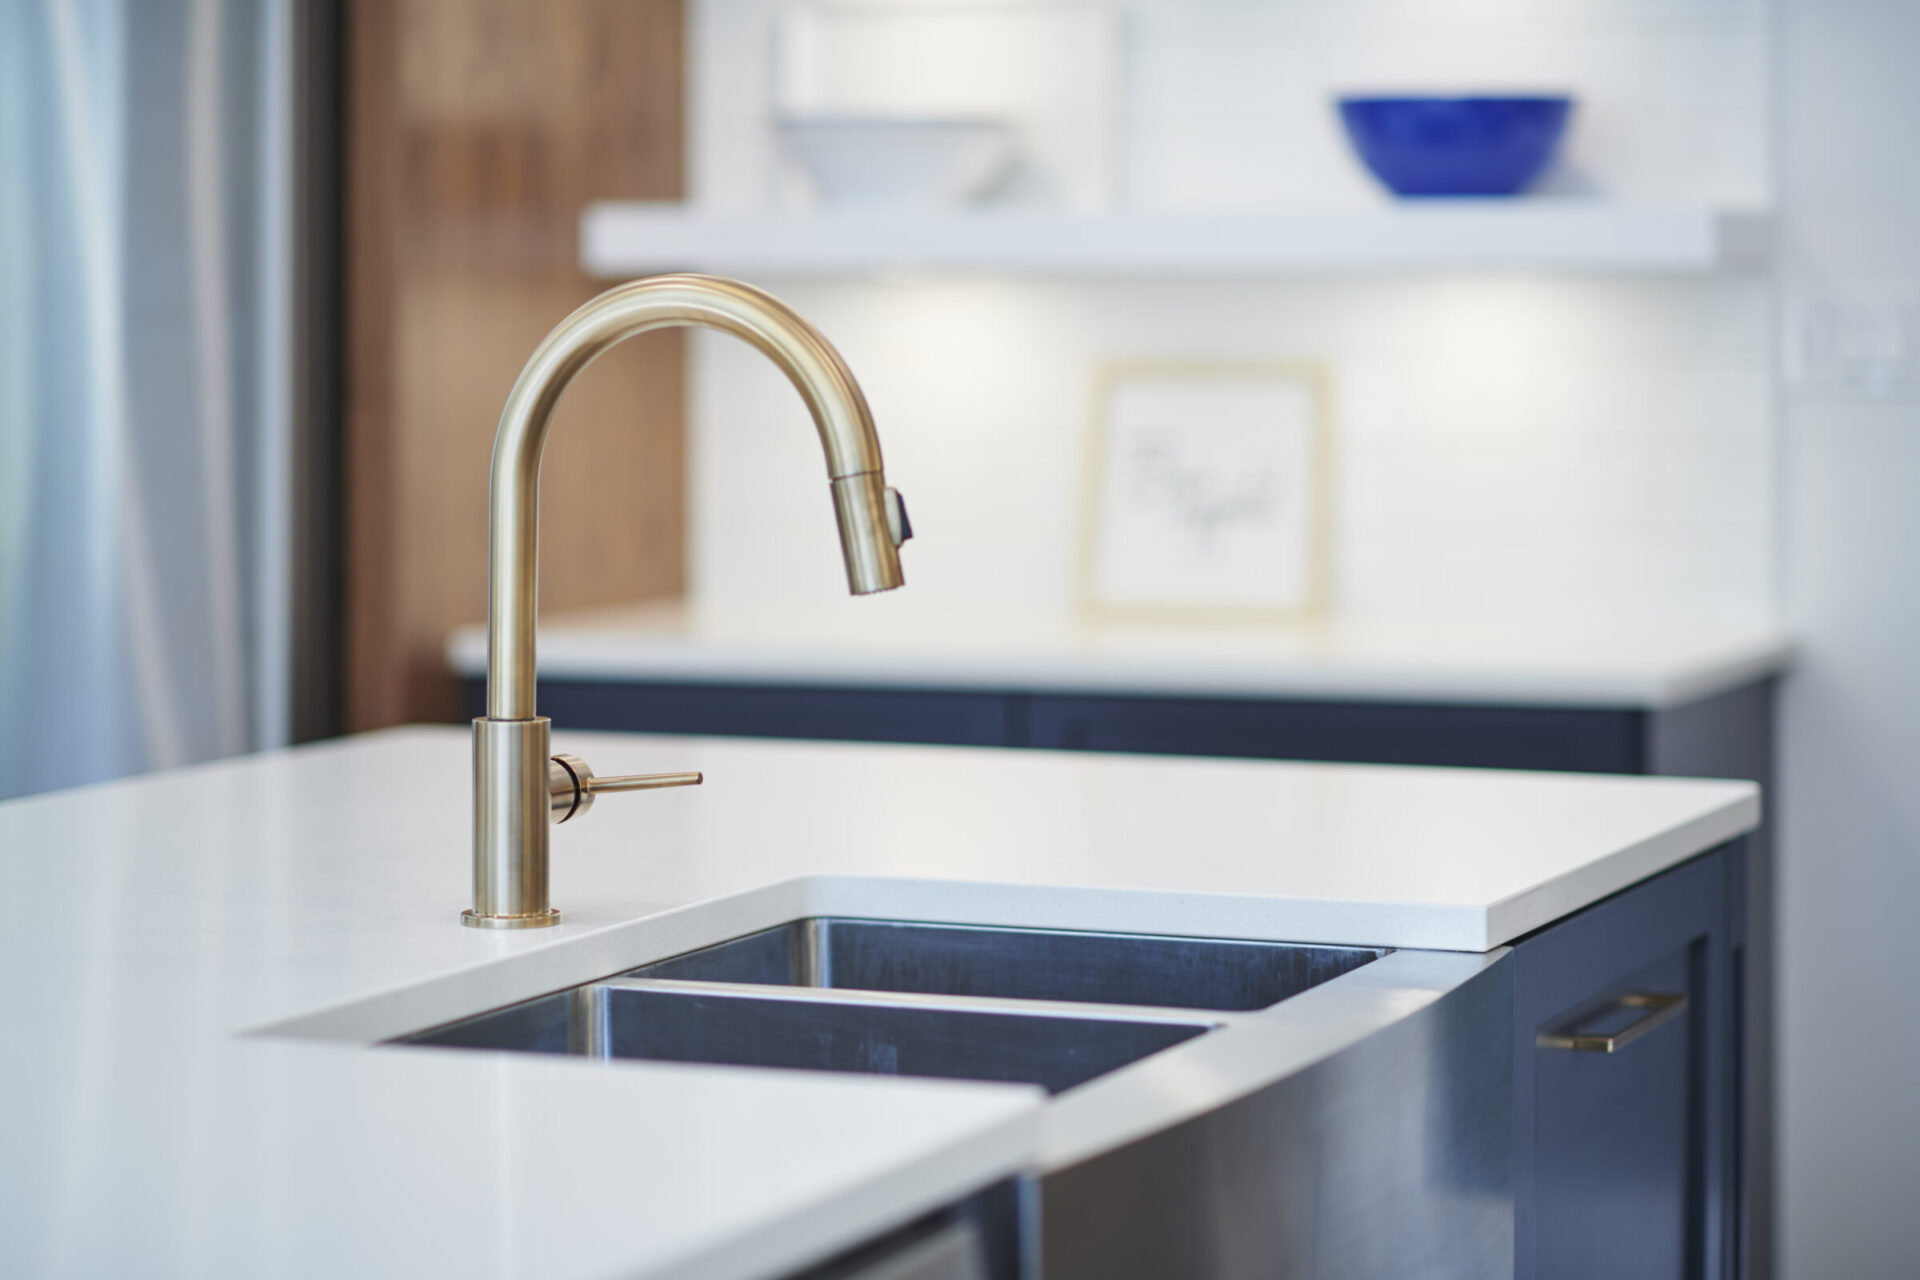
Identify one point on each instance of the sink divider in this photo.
(1009, 1005)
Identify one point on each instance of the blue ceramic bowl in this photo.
(1455, 146)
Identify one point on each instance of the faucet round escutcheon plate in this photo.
(538, 919)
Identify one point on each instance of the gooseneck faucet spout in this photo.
(519, 785)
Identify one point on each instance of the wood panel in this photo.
(477, 129)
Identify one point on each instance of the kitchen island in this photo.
(200, 963)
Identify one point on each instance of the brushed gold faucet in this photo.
(519, 785)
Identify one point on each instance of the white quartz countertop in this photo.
(157, 925)
(872, 645)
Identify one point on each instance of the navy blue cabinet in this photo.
(776, 711)
(1626, 1084)
(1577, 739)
(1716, 734)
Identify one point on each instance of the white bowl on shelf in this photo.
(901, 162)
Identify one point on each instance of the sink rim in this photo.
(812, 963)
(1161, 935)
(521, 965)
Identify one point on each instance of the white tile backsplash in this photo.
(1512, 448)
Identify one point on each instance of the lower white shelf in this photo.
(622, 239)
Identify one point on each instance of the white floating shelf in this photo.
(623, 239)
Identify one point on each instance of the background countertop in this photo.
(861, 645)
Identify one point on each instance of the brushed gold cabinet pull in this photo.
(1659, 1008)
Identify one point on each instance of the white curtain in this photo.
(143, 323)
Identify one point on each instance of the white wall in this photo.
(1227, 104)
(1509, 446)
(1849, 877)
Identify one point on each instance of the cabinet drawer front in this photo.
(1615, 1144)
(1623, 1084)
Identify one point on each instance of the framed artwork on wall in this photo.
(1208, 492)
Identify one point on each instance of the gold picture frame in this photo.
(1204, 589)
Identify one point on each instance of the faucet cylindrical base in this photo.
(510, 816)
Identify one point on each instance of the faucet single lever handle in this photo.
(572, 785)
(643, 782)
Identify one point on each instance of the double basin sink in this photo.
(1046, 1007)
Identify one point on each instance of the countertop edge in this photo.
(1514, 917)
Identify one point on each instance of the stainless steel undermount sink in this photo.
(1048, 1007)
(1227, 1121)
(1008, 1041)
(1020, 964)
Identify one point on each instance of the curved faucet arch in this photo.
(811, 364)
(519, 786)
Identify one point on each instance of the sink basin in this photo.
(1022, 964)
(761, 1027)
(964, 1002)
